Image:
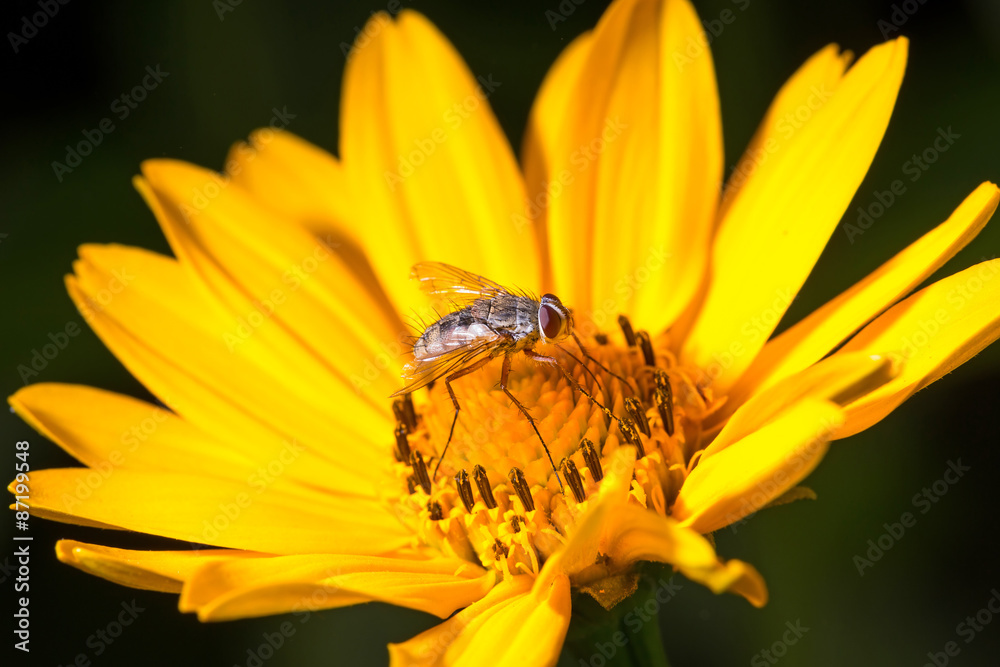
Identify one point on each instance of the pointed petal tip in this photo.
(15, 399)
(733, 576)
(67, 551)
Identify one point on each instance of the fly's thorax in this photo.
(508, 314)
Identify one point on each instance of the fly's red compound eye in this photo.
(550, 321)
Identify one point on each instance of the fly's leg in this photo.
(600, 365)
(581, 364)
(454, 401)
(504, 375)
(552, 361)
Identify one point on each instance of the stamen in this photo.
(515, 523)
(601, 338)
(664, 397)
(574, 480)
(592, 460)
(402, 449)
(521, 489)
(627, 330)
(499, 550)
(399, 411)
(631, 435)
(435, 511)
(411, 484)
(420, 471)
(405, 414)
(483, 482)
(411, 413)
(465, 490)
(647, 348)
(638, 415)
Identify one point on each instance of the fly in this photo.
(491, 321)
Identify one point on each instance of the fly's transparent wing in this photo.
(421, 372)
(461, 287)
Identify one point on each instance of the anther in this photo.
(411, 484)
(399, 410)
(646, 345)
(627, 330)
(483, 482)
(664, 397)
(521, 488)
(515, 523)
(500, 550)
(631, 435)
(434, 508)
(420, 471)
(465, 490)
(411, 413)
(402, 449)
(573, 479)
(402, 408)
(601, 338)
(592, 460)
(638, 415)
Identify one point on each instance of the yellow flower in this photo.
(275, 340)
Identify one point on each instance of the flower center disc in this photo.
(495, 499)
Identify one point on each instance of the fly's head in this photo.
(555, 322)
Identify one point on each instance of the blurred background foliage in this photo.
(228, 70)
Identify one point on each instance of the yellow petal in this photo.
(733, 576)
(293, 280)
(239, 589)
(513, 624)
(839, 379)
(616, 534)
(831, 324)
(746, 476)
(933, 332)
(296, 180)
(164, 571)
(778, 222)
(591, 531)
(100, 428)
(644, 535)
(629, 131)
(267, 389)
(641, 535)
(109, 432)
(425, 156)
(821, 74)
(216, 512)
(551, 110)
(636, 534)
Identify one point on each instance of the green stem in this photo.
(626, 636)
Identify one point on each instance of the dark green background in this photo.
(225, 78)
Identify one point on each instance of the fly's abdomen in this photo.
(452, 332)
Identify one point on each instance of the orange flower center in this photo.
(495, 499)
